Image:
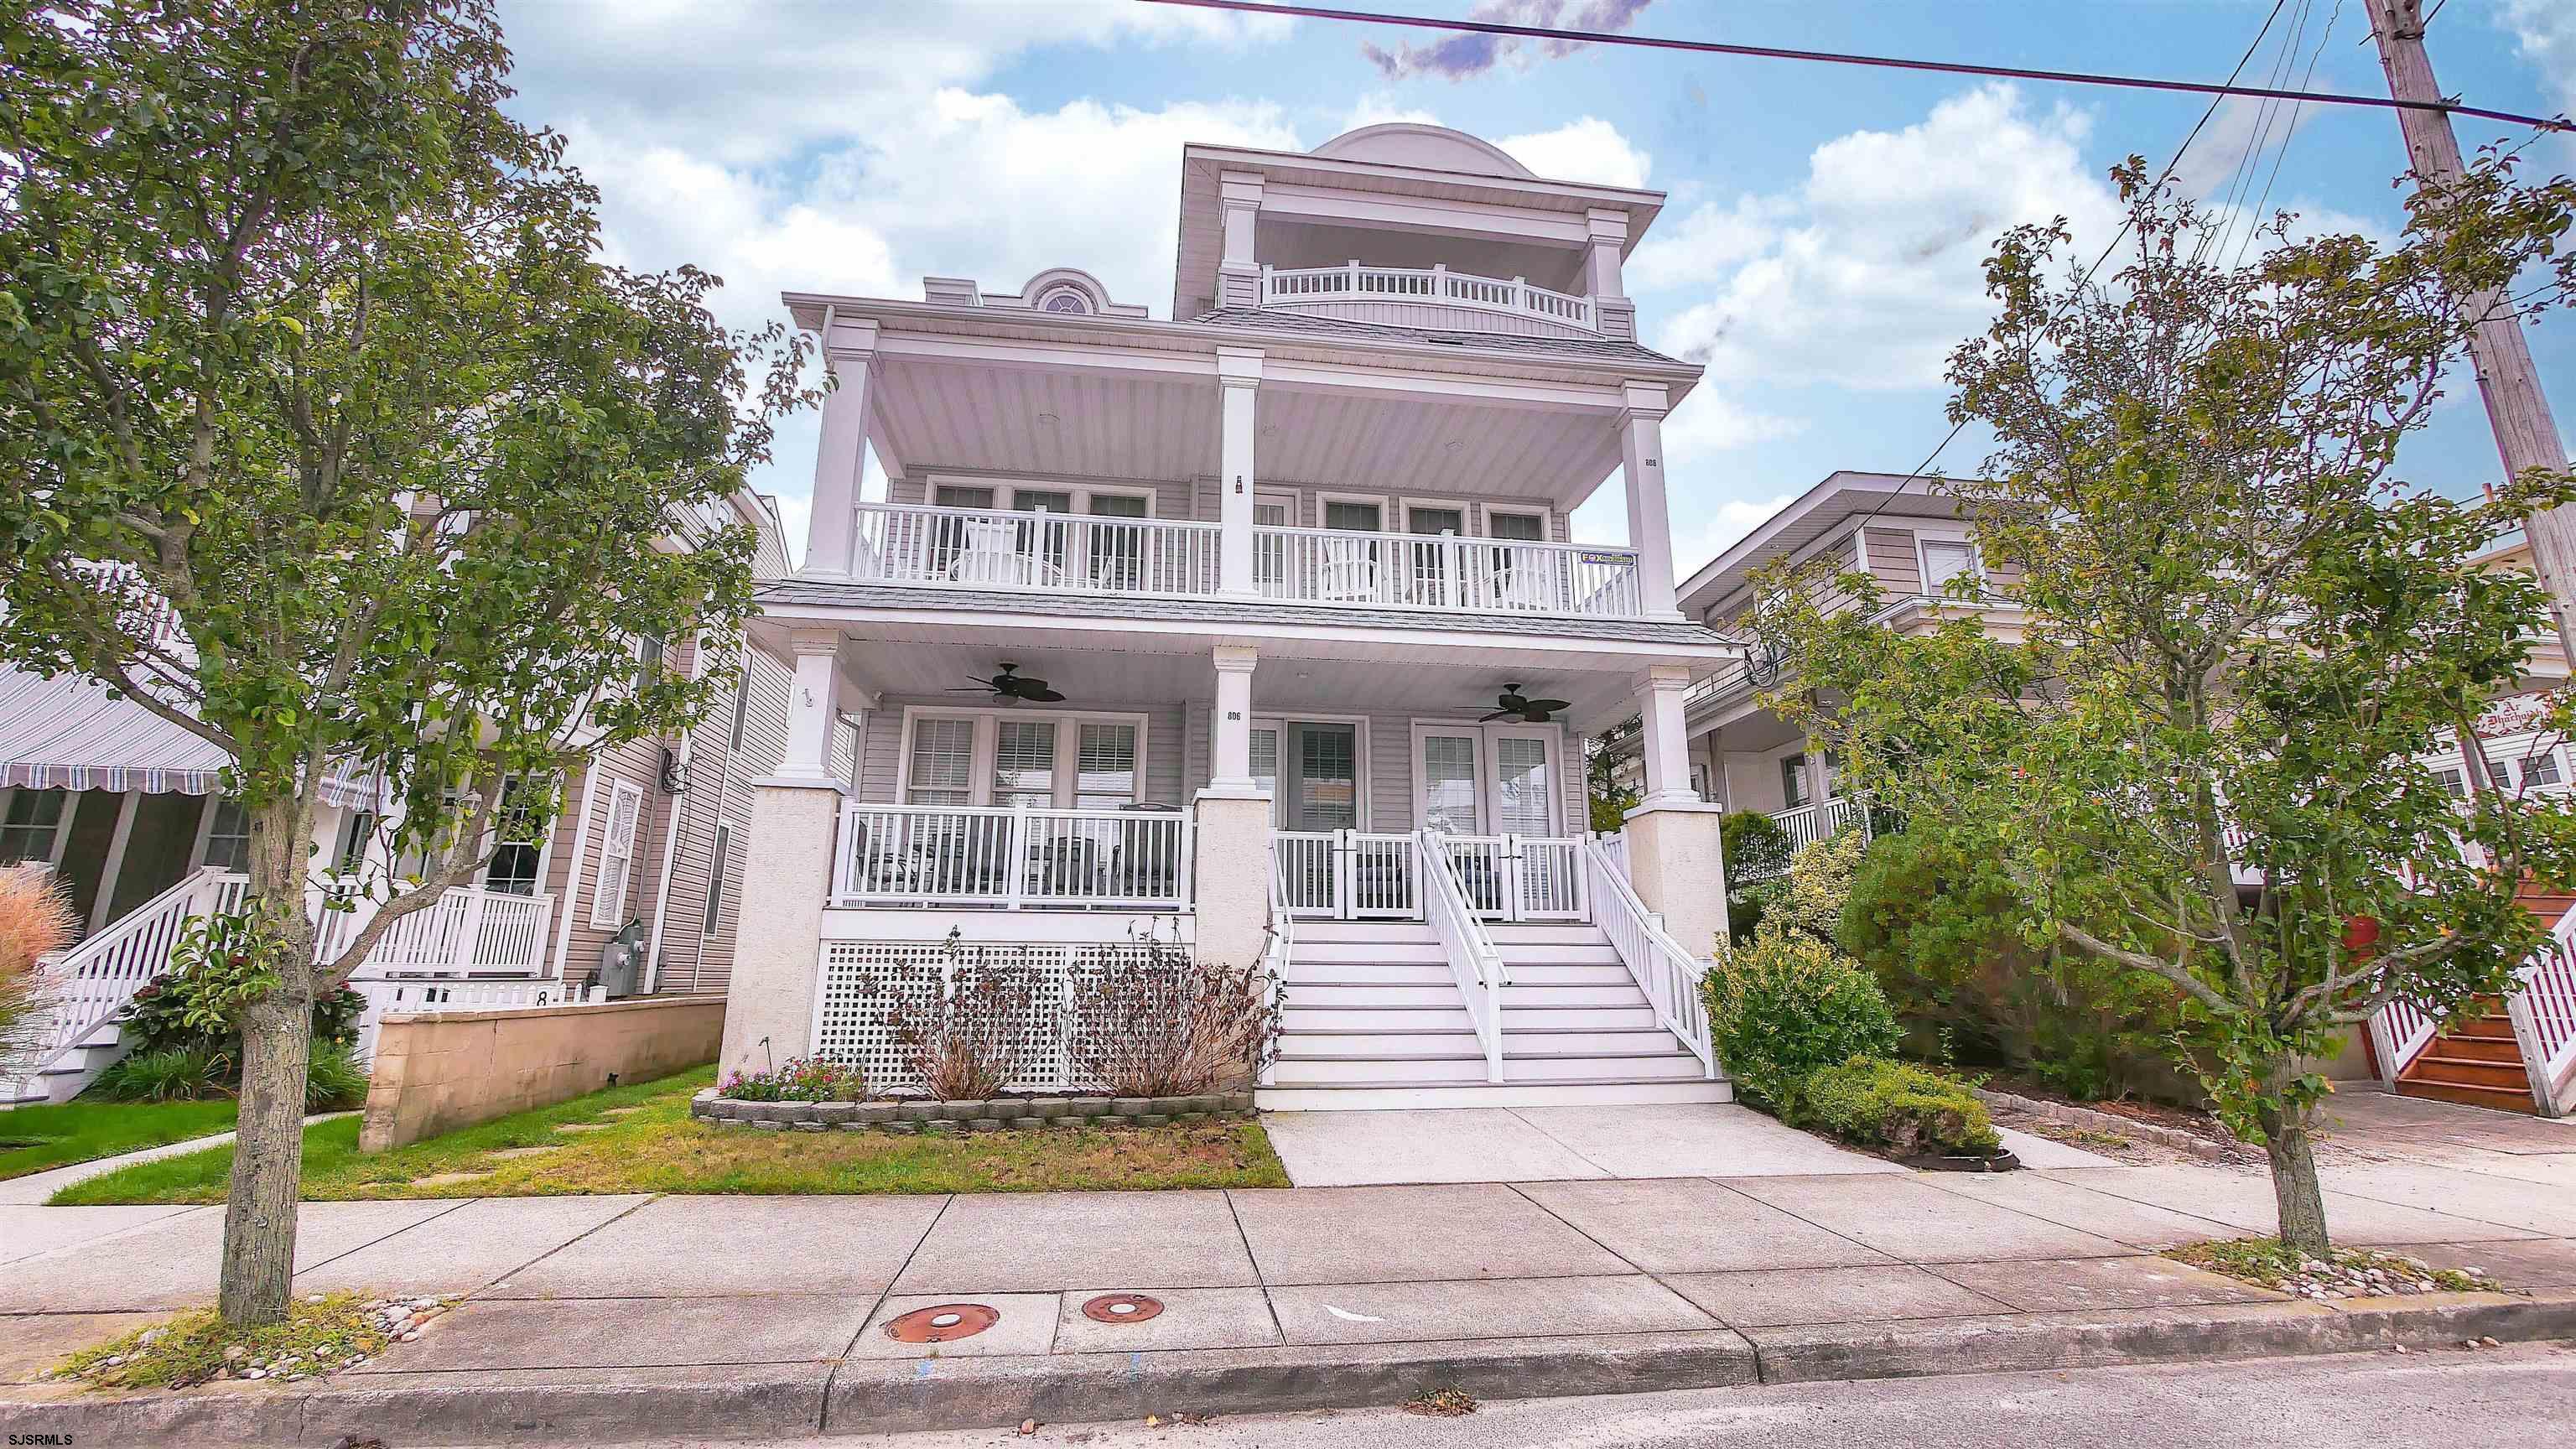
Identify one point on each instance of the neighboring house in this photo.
(126, 808)
(1913, 542)
(1294, 567)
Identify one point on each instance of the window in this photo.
(1524, 801)
(1945, 559)
(2540, 770)
(741, 708)
(1023, 763)
(2453, 781)
(952, 495)
(648, 656)
(513, 869)
(942, 768)
(1793, 780)
(1353, 517)
(228, 839)
(1265, 764)
(1105, 770)
(720, 858)
(1435, 521)
(616, 855)
(34, 820)
(356, 834)
(1068, 300)
(1449, 783)
(1519, 527)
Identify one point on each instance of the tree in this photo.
(342, 450)
(2203, 760)
(1608, 798)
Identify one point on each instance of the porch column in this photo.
(1675, 858)
(848, 349)
(1238, 378)
(1606, 231)
(1238, 276)
(1230, 849)
(813, 703)
(1641, 470)
(1665, 741)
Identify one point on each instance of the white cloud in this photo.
(1721, 529)
(1379, 108)
(2544, 31)
(1590, 149)
(1871, 269)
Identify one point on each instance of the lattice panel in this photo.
(863, 980)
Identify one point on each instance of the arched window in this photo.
(1065, 299)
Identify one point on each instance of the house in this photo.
(651, 843)
(1911, 539)
(1258, 626)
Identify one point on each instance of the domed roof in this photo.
(1432, 148)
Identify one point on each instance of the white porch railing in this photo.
(1663, 968)
(1519, 877)
(1474, 963)
(2399, 1032)
(1436, 286)
(1012, 859)
(1444, 572)
(1068, 553)
(1822, 820)
(1347, 875)
(467, 931)
(2544, 1020)
(1281, 949)
(87, 985)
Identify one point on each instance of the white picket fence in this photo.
(399, 997)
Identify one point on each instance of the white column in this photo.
(1238, 281)
(1665, 743)
(1238, 380)
(848, 349)
(1230, 723)
(1606, 231)
(813, 703)
(1641, 470)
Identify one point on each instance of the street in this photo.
(2445, 1400)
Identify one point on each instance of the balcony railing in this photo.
(1432, 286)
(1049, 553)
(1012, 859)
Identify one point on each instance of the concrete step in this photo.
(1401, 1096)
(1676, 1065)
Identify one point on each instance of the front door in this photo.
(1319, 776)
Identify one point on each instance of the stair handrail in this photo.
(88, 984)
(1474, 961)
(1276, 953)
(1666, 972)
(2542, 1009)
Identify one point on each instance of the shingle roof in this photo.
(1588, 349)
(1227, 611)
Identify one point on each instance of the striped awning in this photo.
(69, 733)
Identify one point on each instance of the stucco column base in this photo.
(1678, 867)
(1230, 875)
(777, 952)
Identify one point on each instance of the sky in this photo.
(1819, 252)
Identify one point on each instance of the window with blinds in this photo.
(616, 855)
(1521, 792)
(1449, 783)
(1024, 764)
(1105, 774)
(942, 768)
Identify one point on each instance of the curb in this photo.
(2162, 1136)
(879, 1396)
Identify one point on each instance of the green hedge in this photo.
(1908, 1110)
(1784, 1006)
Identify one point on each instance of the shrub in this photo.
(1940, 927)
(334, 1081)
(1785, 1005)
(183, 1009)
(1156, 1023)
(1754, 846)
(1907, 1109)
(166, 1074)
(799, 1079)
(36, 920)
(959, 1026)
(1810, 900)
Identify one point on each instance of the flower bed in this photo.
(993, 1114)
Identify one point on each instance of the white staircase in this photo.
(1375, 1019)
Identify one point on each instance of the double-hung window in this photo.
(228, 838)
(942, 768)
(1945, 559)
(34, 821)
(1038, 761)
(617, 854)
(1024, 763)
(1105, 769)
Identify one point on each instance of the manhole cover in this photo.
(942, 1322)
(1121, 1308)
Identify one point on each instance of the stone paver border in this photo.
(923, 1114)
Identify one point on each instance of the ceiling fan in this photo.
(1510, 705)
(1010, 684)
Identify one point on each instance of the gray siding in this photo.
(1893, 561)
(1165, 743)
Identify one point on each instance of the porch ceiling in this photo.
(1110, 673)
(1399, 440)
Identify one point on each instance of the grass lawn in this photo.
(640, 1139)
(33, 1139)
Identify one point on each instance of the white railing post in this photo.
(469, 933)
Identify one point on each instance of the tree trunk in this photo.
(2295, 1190)
(277, 1048)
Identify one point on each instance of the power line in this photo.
(1832, 57)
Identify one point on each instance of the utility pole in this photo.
(2524, 432)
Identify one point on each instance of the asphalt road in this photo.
(2449, 1400)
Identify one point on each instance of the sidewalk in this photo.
(739, 1316)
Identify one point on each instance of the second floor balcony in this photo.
(1048, 553)
(1429, 296)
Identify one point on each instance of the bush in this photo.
(1786, 1005)
(1940, 927)
(960, 1026)
(168, 1074)
(1754, 846)
(175, 1011)
(1907, 1109)
(35, 921)
(1810, 900)
(1157, 1023)
(799, 1079)
(334, 1081)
